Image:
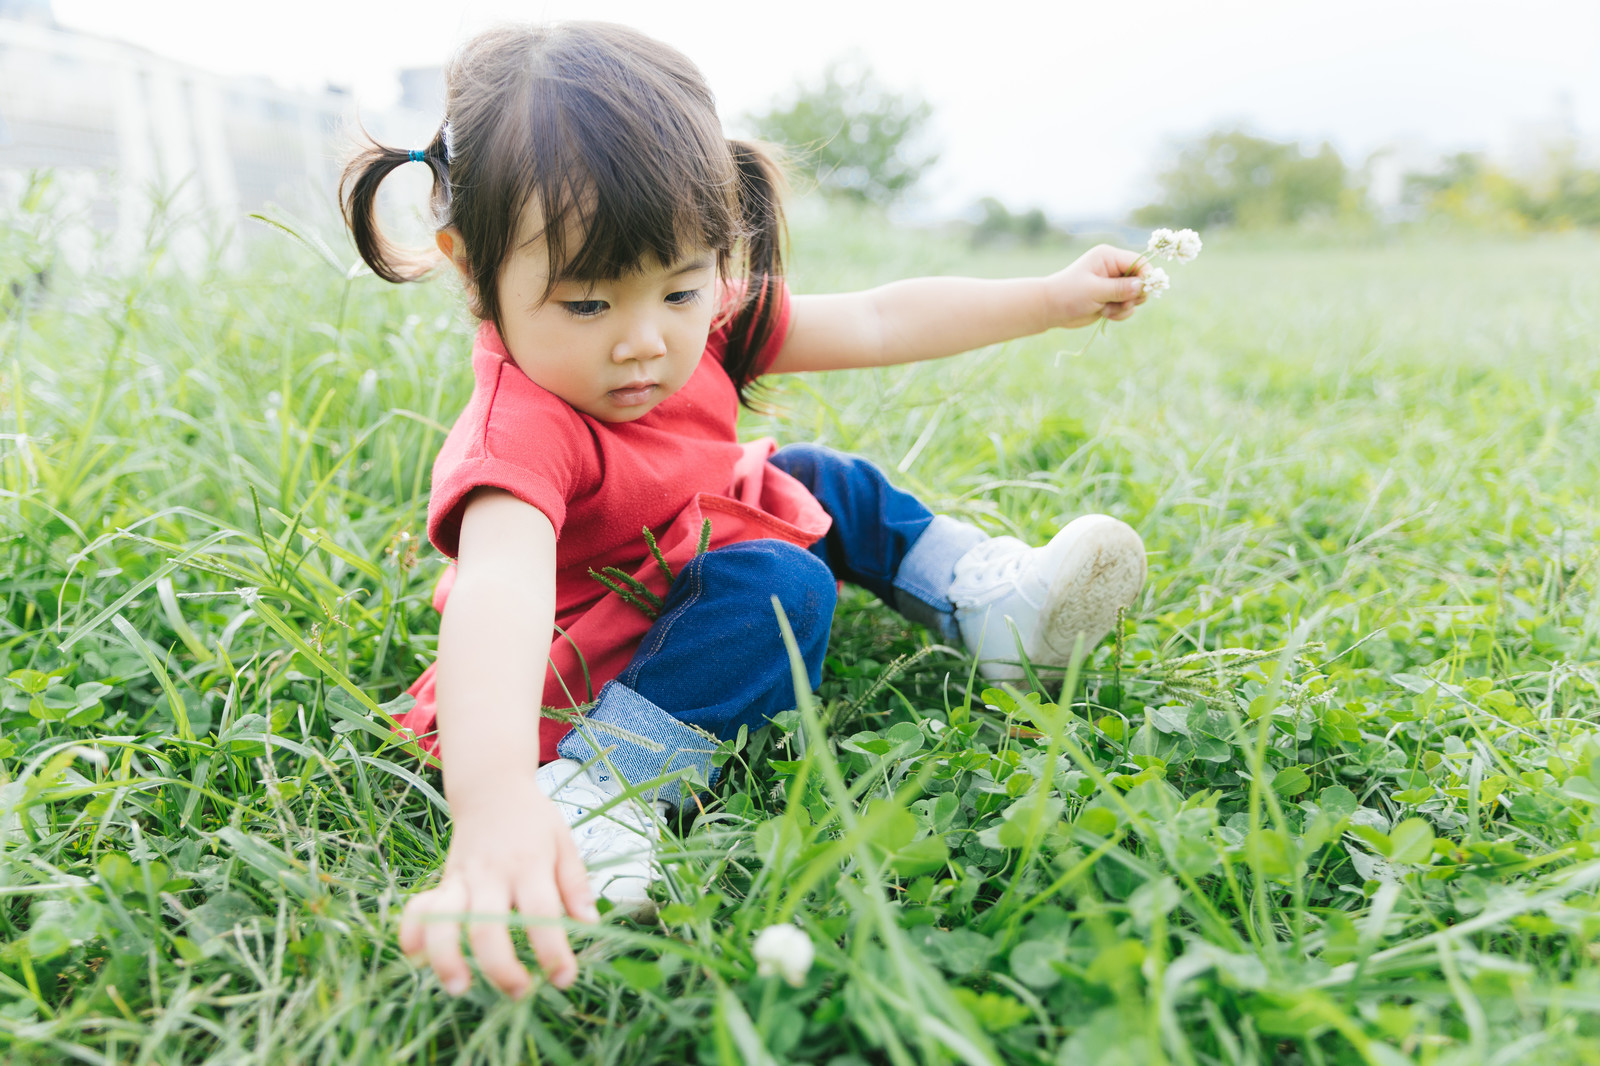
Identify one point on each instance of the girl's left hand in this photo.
(1102, 283)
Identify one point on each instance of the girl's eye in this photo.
(687, 296)
(585, 308)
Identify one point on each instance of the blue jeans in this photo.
(715, 660)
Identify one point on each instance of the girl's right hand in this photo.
(1104, 282)
(518, 853)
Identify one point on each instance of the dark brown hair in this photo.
(612, 135)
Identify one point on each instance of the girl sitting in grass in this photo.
(623, 258)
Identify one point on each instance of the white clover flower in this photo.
(1156, 282)
(784, 951)
(1162, 242)
(1186, 246)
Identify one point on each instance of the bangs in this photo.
(596, 234)
(619, 177)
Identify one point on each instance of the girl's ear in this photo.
(454, 249)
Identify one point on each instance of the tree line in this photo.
(1234, 178)
(859, 141)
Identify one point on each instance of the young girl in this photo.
(623, 257)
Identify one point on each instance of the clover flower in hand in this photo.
(1186, 246)
(1183, 245)
(784, 951)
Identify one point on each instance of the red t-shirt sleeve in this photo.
(717, 343)
(494, 445)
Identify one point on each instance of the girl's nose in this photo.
(644, 341)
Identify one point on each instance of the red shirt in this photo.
(600, 483)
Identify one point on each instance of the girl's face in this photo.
(612, 349)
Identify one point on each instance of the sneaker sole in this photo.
(1102, 574)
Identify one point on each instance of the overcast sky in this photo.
(1063, 104)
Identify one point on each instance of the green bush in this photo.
(1232, 178)
(853, 135)
(1469, 190)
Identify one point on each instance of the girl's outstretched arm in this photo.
(510, 847)
(927, 318)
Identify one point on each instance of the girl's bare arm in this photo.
(510, 847)
(928, 318)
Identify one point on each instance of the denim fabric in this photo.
(883, 538)
(713, 661)
(641, 741)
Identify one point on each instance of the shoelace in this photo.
(582, 795)
(998, 568)
(630, 813)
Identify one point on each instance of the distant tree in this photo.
(859, 139)
(1233, 178)
(1574, 199)
(998, 224)
(1467, 190)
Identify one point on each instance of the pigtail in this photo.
(761, 215)
(358, 198)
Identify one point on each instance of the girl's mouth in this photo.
(633, 395)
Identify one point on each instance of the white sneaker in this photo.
(1069, 589)
(618, 846)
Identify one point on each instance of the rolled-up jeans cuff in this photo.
(641, 741)
(922, 584)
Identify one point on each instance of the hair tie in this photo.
(418, 155)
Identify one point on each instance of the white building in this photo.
(123, 129)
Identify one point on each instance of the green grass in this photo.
(1368, 837)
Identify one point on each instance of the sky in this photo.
(1062, 104)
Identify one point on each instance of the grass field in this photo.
(1330, 798)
